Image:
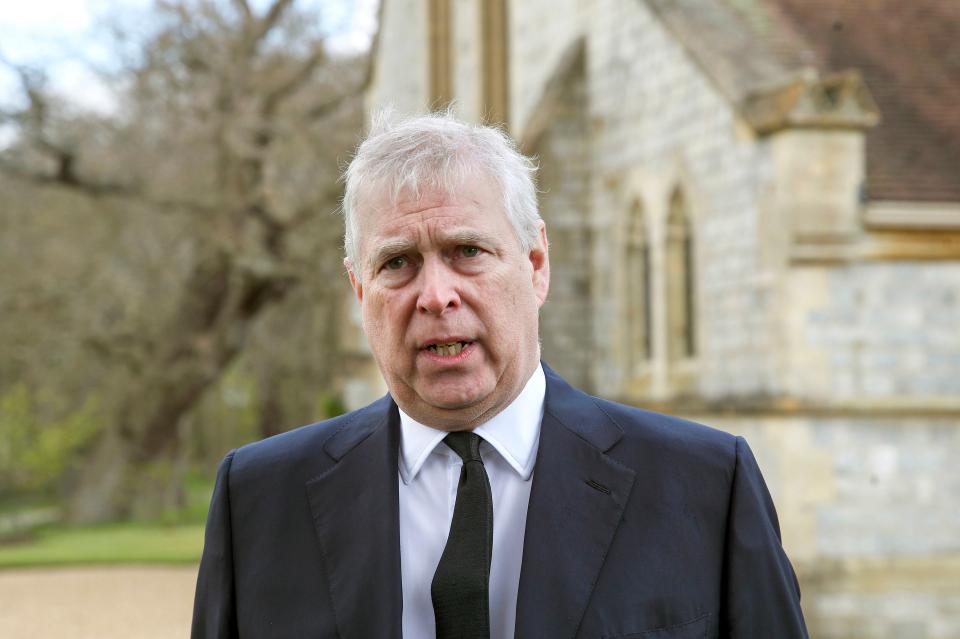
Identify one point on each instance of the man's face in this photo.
(450, 302)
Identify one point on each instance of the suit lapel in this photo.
(576, 503)
(356, 517)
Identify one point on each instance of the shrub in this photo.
(38, 436)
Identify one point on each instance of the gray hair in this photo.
(438, 152)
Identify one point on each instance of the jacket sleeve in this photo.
(214, 607)
(761, 592)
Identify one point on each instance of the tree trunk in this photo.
(112, 487)
(131, 470)
(271, 413)
(100, 490)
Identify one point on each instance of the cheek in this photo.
(383, 320)
(509, 316)
(372, 315)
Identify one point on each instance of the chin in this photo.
(453, 399)
(450, 403)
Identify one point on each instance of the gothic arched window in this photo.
(638, 307)
(680, 281)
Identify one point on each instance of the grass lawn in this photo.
(108, 544)
(177, 540)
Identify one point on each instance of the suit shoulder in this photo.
(305, 444)
(632, 427)
(668, 433)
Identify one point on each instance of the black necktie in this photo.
(460, 588)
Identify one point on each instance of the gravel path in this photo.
(129, 602)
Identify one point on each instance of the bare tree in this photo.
(234, 122)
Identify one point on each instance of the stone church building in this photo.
(754, 215)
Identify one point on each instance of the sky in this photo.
(61, 35)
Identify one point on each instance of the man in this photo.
(483, 497)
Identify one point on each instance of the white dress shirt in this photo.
(429, 474)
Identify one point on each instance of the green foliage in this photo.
(199, 492)
(225, 418)
(196, 493)
(38, 437)
(331, 405)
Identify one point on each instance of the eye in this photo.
(395, 263)
(469, 251)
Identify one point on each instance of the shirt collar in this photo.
(514, 432)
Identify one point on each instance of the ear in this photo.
(540, 260)
(354, 281)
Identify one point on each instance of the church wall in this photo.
(564, 183)
(869, 507)
(868, 518)
(658, 124)
(865, 482)
(540, 32)
(819, 177)
(653, 123)
(873, 331)
(400, 77)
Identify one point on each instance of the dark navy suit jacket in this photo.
(640, 525)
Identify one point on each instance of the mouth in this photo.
(448, 349)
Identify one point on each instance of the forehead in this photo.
(474, 203)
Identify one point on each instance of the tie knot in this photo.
(466, 444)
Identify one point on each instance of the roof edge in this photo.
(571, 62)
(835, 101)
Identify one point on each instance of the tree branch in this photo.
(34, 116)
(269, 21)
(69, 179)
(295, 80)
(324, 109)
(309, 211)
(244, 8)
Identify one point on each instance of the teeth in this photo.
(447, 350)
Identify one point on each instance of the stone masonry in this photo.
(832, 346)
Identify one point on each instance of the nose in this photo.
(438, 288)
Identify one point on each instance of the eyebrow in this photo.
(457, 236)
(387, 249)
(471, 236)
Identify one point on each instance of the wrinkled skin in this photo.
(446, 268)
